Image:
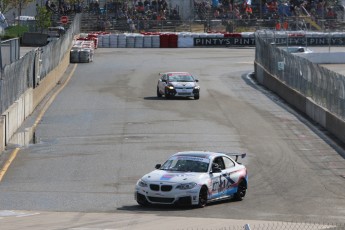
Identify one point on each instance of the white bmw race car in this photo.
(194, 178)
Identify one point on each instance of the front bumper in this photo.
(182, 92)
(179, 197)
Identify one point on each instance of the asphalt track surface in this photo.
(105, 128)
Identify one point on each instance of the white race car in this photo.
(194, 178)
(178, 84)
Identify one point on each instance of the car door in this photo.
(224, 181)
(230, 175)
(217, 178)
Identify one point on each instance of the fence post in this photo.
(246, 227)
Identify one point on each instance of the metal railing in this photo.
(9, 51)
(325, 87)
(27, 71)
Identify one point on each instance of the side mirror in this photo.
(158, 166)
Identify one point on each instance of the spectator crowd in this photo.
(270, 9)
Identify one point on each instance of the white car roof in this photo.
(203, 154)
(210, 155)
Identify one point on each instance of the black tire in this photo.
(241, 191)
(143, 204)
(167, 96)
(158, 93)
(141, 200)
(196, 97)
(202, 197)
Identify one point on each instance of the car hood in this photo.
(171, 177)
(183, 84)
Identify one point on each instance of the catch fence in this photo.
(325, 87)
(9, 51)
(27, 71)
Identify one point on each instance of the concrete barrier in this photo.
(50, 81)
(317, 113)
(16, 114)
(2, 133)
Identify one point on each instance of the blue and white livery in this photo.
(194, 178)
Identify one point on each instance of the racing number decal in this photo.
(222, 182)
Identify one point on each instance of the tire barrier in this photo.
(153, 40)
(82, 51)
(215, 39)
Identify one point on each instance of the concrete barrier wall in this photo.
(324, 58)
(329, 121)
(50, 81)
(335, 125)
(316, 112)
(2, 133)
(14, 116)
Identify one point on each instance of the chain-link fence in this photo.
(27, 71)
(325, 87)
(9, 51)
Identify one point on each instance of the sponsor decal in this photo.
(224, 41)
(291, 41)
(167, 176)
(170, 176)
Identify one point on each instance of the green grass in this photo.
(14, 32)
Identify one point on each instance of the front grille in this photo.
(183, 87)
(154, 187)
(166, 188)
(161, 200)
(163, 188)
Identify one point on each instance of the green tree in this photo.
(6, 5)
(43, 18)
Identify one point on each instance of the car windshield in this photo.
(180, 78)
(186, 164)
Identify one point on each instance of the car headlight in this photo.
(186, 186)
(141, 183)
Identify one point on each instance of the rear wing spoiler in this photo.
(242, 155)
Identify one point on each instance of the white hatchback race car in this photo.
(178, 84)
(194, 178)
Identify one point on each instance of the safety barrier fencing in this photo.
(312, 89)
(189, 40)
(9, 51)
(26, 81)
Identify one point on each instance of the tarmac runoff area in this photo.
(18, 219)
(92, 221)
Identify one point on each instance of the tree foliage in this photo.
(6, 5)
(43, 18)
